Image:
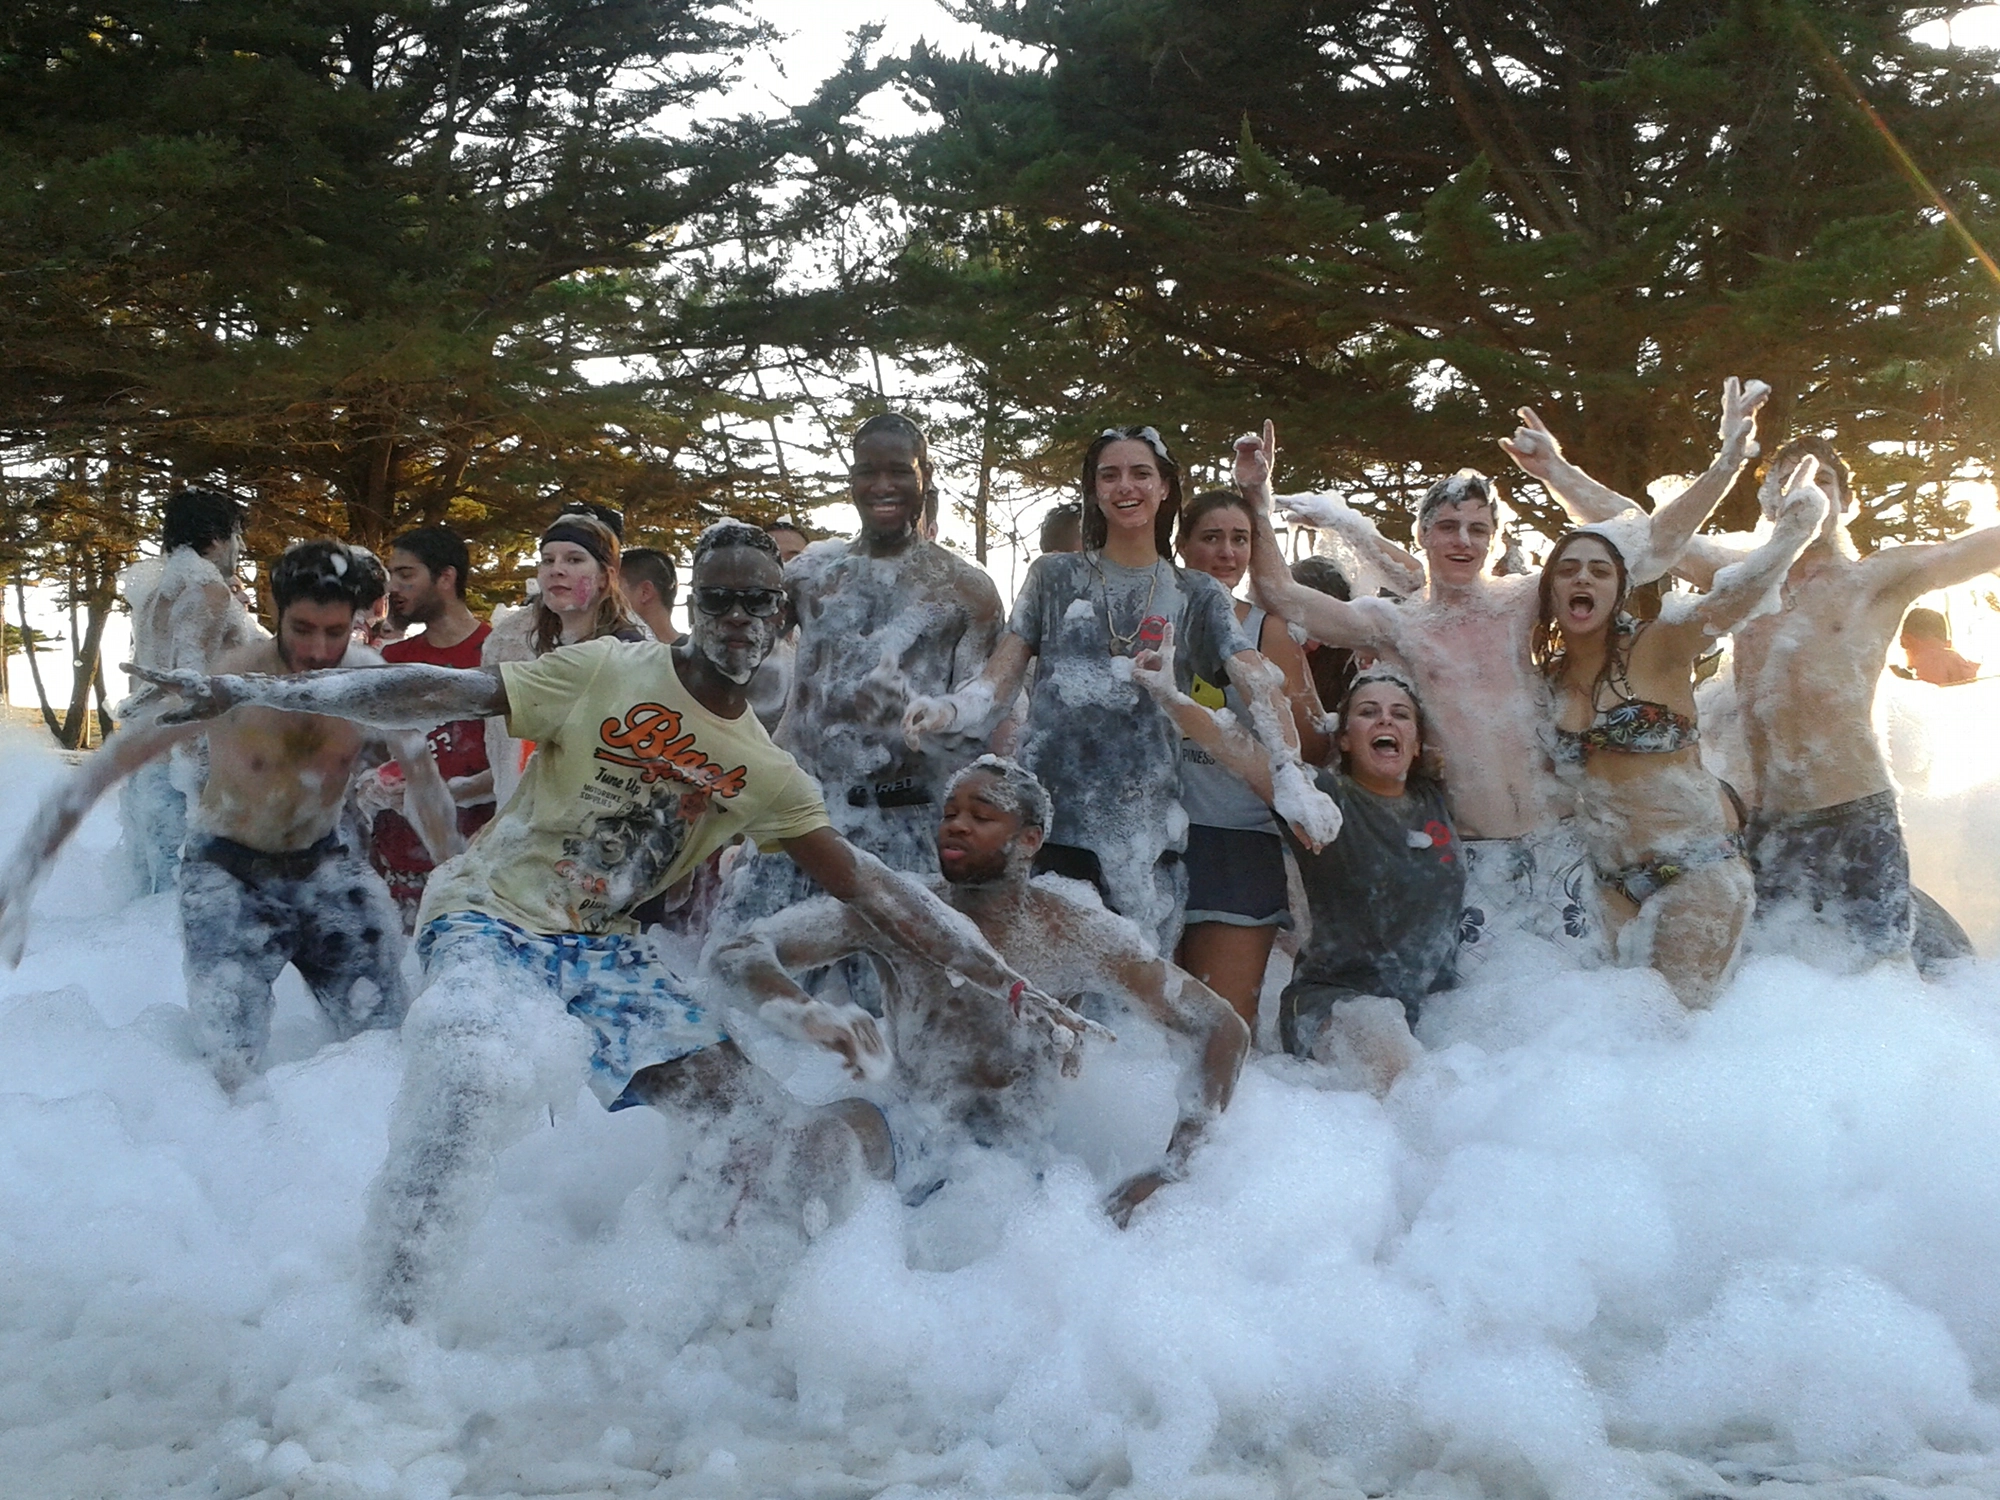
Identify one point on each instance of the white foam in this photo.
(1590, 1246)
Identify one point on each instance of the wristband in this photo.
(1014, 995)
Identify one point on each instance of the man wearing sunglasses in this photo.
(649, 759)
(881, 619)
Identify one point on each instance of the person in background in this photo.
(790, 537)
(1062, 528)
(1235, 858)
(651, 584)
(1927, 647)
(579, 599)
(427, 573)
(373, 626)
(1332, 667)
(187, 612)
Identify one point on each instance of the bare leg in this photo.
(1370, 1037)
(1230, 960)
(1698, 924)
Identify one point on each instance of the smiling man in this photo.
(881, 619)
(266, 878)
(1465, 642)
(648, 758)
(967, 1075)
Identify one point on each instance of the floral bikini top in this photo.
(1633, 725)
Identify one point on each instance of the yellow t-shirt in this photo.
(633, 783)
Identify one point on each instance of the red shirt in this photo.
(460, 750)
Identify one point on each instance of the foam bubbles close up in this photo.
(1591, 1246)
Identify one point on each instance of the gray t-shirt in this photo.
(1386, 898)
(1107, 753)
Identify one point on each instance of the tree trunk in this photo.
(75, 724)
(34, 666)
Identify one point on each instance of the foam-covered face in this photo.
(314, 636)
(1456, 539)
(1129, 486)
(1219, 545)
(979, 839)
(415, 598)
(1380, 735)
(737, 642)
(1585, 588)
(572, 580)
(888, 484)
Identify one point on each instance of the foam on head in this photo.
(1466, 487)
(1016, 789)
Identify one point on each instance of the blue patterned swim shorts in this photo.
(633, 1006)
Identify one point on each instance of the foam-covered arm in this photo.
(427, 801)
(757, 962)
(1917, 569)
(1403, 568)
(1748, 587)
(1334, 622)
(1182, 1004)
(1676, 522)
(401, 697)
(976, 709)
(1231, 744)
(61, 810)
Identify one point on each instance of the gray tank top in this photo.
(1212, 794)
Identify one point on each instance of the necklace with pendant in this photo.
(1121, 644)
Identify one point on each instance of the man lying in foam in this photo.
(1465, 642)
(966, 1074)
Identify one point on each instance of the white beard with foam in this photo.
(738, 666)
(1590, 1246)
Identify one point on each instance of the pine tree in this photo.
(1387, 226)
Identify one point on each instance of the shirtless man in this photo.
(648, 759)
(882, 619)
(187, 611)
(1826, 840)
(266, 879)
(1465, 641)
(966, 1074)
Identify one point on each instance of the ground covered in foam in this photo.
(1592, 1247)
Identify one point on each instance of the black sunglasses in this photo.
(759, 604)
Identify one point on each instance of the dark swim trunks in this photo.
(246, 913)
(1847, 865)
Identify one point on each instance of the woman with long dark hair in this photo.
(1108, 756)
(1235, 857)
(1663, 835)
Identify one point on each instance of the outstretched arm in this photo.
(1905, 573)
(1741, 589)
(760, 961)
(1186, 1006)
(1672, 529)
(976, 708)
(1279, 780)
(1403, 568)
(916, 921)
(1332, 621)
(402, 697)
(60, 812)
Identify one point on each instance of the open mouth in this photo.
(1385, 744)
(1581, 606)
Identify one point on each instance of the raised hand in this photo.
(1740, 403)
(1154, 670)
(1803, 500)
(1533, 447)
(202, 697)
(1256, 464)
